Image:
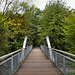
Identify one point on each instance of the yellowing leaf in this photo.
(14, 24)
(16, 32)
(19, 24)
(12, 37)
(13, 28)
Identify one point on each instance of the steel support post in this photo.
(64, 62)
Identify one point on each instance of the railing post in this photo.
(24, 46)
(53, 57)
(18, 60)
(56, 58)
(64, 64)
(12, 64)
(50, 50)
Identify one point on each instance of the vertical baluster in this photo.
(18, 59)
(64, 64)
(56, 57)
(12, 65)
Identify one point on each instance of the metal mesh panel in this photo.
(53, 58)
(70, 67)
(15, 63)
(27, 51)
(47, 53)
(25, 54)
(43, 49)
(20, 57)
(10, 65)
(63, 62)
(60, 62)
(5, 68)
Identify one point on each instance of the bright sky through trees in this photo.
(41, 3)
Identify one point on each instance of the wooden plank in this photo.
(38, 64)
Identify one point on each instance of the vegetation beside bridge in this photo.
(20, 19)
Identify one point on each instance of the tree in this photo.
(70, 31)
(52, 24)
(4, 47)
(32, 15)
(4, 4)
(13, 30)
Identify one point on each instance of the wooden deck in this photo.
(37, 64)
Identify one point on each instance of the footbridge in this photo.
(42, 60)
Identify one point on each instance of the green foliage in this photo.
(52, 24)
(22, 20)
(4, 47)
(70, 31)
(33, 19)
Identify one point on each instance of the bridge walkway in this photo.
(37, 64)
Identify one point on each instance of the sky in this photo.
(41, 3)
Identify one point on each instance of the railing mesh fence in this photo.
(10, 65)
(5, 68)
(64, 63)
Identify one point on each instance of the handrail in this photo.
(64, 61)
(60, 51)
(10, 54)
(13, 60)
(10, 63)
(63, 52)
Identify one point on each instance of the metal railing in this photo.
(10, 63)
(63, 60)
